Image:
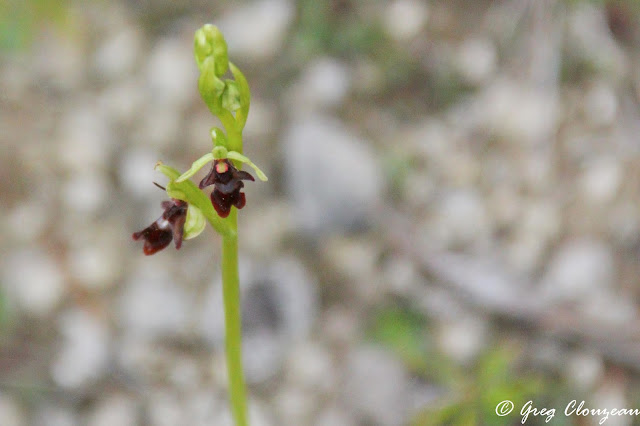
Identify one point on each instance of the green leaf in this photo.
(195, 167)
(239, 157)
(245, 95)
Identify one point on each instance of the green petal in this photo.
(239, 157)
(197, 165)
(194, 224)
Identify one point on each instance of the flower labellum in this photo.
(227, 183)
(169, 226)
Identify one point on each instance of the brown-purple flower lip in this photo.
(169, 226)
(227, 183)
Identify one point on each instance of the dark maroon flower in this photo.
(227, 183)
(169, 226)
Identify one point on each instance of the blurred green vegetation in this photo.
(20, 21)
(471, 393)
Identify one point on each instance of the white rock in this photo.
(295, 406)
(579, 268)
(464, 338)
(164, 409)
(324, 84)
(114, 410)
(84, 355)
(610, 395)
(332, 175)
(589, 38)
(33, 280)
(136, 172)
(123, 102)
(85, 138)
(377, 386)
(160, 127)
(310, 366)
(85, 193)
(11, 414)
(476, 60)
(27, 220)
(256, 31)
(584, 370)
(601, 105)
(95, 267)
(58, 61)
(117, 55)
(598, 306)
(401, 275)
(333, 416)
(461, 219)
(152, 305)
(601, 180)
(404, 19)
(263, 352)
(171, 74)
(523, 114)
(55, 415)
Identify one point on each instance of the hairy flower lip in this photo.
(227, 183)
(169, 226)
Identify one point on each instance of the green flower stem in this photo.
(231, 296)
(233, 322)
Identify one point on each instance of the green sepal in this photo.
(231, 96)
(189, 192)
(195, 167)
(241, 158)
(194, 223)
(218, 137)
(245, 95)
(219, 152)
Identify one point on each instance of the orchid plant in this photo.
(189, 209)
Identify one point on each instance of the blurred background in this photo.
(451, 219)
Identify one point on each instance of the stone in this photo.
(257, 30)
(461, 219)
(463, 338)
(476, 60)
(171, 74)
(376, 387)
(601, 180)
(85, 193)
(85, 138)
(114, 410)
(84, 355)
(117, 55)
(331, 175)
(33, 281)
(152, 305)
(404, 19)
(11, 414)
(584, 370)
(578, 269)
(136, 172)
(323, 84)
